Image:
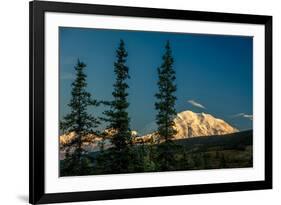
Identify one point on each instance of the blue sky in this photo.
(214, 72)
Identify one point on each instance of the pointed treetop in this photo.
(122, 42)
(167, 46)
(80, 63)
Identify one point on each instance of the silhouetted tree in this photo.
(117, 116)
(80, 123)
(165, 105)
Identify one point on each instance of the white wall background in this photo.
(14, 44)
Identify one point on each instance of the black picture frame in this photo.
(37, 10)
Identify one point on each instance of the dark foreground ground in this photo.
(212, 152)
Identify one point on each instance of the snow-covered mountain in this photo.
(190, 124)
(187, 123)
(93, 141)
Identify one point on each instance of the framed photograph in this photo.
(140, 102)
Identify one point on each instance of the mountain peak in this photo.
(191, 124)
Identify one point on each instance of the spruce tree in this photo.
(79, 122)
(165, 105)
(117, 116)
(166, 98)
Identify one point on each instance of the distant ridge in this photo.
(188, 124)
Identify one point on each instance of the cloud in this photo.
(243, 115)
(196, 104)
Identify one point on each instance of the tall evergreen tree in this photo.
(165, 105)
(117, 116)
(166, 98)
(79, 122)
